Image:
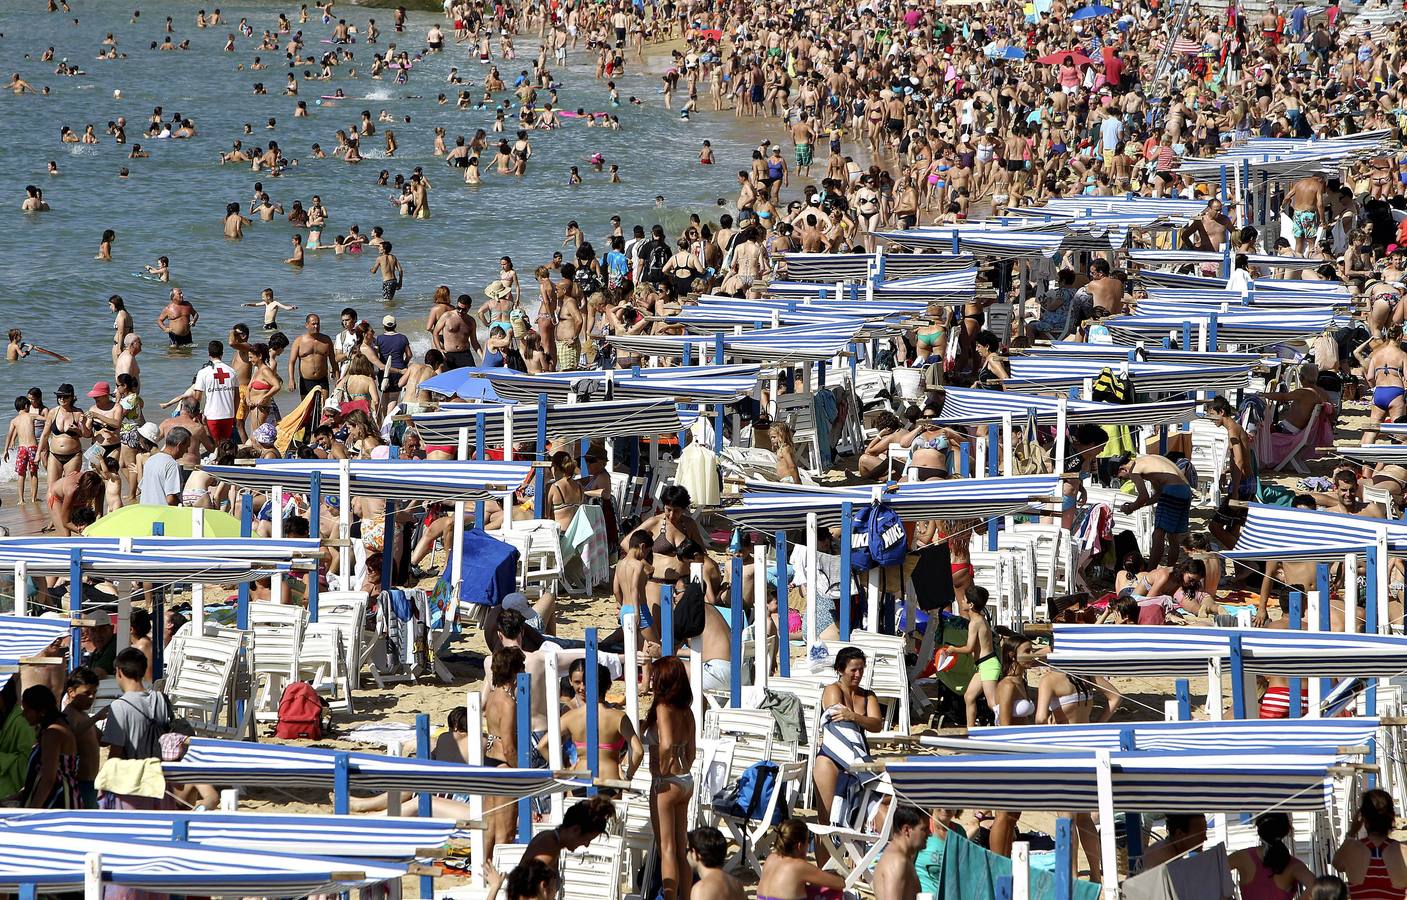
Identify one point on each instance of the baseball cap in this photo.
(389, 322)
(101, 389)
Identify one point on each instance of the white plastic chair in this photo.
(277, 634)
(322, 661)
(886, 673)
(1211, 449)
(203, 690)
(539, 547)
(751, 733)
(346, 611)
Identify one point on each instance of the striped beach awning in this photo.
(797, 343)
(1211, 257)
(25, 637)
(1248, 735)
(769, 506)
(1044, 373)
(250, 548)
(112, 565)
(565, 421)
(1289, 779)
(687, 384)
(974, 406)
(57, 863)
(234, 763)
(1286, 533)
(390, 479)
(383, 837)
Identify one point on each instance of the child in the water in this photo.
(574, 177)
(597, 161)
(706, 154)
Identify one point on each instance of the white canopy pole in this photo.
(1384, 562)
(1316, 690)
(1008, 451)
(1214, 691)
(508, 434)
(93, 876)
(1108, 851)
(473, 705)
(872, 580)
(344, 521)
(696, 678)
(197, 587)
(1061, 408)
(631, 624)
(21, 584)
(454, 551)
(276, 522)
(812, 588)
(1020, 871)
(761, 662)
(551, 679)
(1350, 593)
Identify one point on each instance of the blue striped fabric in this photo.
(1207, 257)
(57, 863)
(1049, 372)
(1185, 651)
(111, 564)
(565, 421)
(950, 287)
(22, 637)
(1375, 454)
(1150, 353)
(835, 267)
(1253, 735)
(1279, 532)
(974, 406)
(686, 384)
(1291, 780)
(444, 480)
(209, 761)
(264, 549)
(769, 506)
(785, 344)
(383, 837)
(1131, 204)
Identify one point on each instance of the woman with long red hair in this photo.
(669, 732)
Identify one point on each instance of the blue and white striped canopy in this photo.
(1209, 257)
(786, 344)
(713, 313)
(386, 479)
(946, 287)
(1044, 373)
(382, 837)
(769, 506)
(118, 566)
(56, 863)
(1290, 779)
(1246, 736)
(23, 637)
(1271, 286)
(209, 761)
(1257, 328)
(1129, 204)
(686, 384)
(835, 267)
(565, 421)
(974, 406)
(1375, 454)
(1286, 533)
(1185, 651)
(250, 548)
(1151, 353)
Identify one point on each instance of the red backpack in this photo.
(300, 712)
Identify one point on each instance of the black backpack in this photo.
(689, 613)
(655, 258)
(1112, 388)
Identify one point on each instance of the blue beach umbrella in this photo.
(1091, 12)
(1006, 53)
(466, 383)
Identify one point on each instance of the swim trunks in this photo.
(178, 340)
(220, 429)
(459, 359)
(389, 288)
(803, 154)
(1305, 223)
(305, 386)
(26, 460)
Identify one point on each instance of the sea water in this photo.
(173, 203)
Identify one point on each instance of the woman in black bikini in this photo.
(60, 441)
(669, 529)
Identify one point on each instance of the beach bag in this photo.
(747, 797)
(1112, 388)
(689, 613)
(879, 538)
(300, 712)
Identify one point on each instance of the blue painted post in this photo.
(993, 470)
(341, 783)
(158, 618)
(180, 829)
(424, 804)
(593, 712)
(1133, 822)
(75, 608)
(1321, 583)
(314, 532)
(388, 552)
(1064, 859)
(956, 243)
(28, 892)
(783, 614)
(525, 737)
(540, 473)
(1238, 679)
(480, 448)
(1226, 260)
(1296, 616)
(1186, 335)
(246, 529)
(964, 460)
(1184, 700)
(847, 535)
(666, 620)
(735, 632)
(1211, 333)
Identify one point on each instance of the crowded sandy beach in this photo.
(559, 449)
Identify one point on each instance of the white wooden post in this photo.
(1214, 691)
(93, 876)
(1350, 593)
(631, 625)
(1380, 551)
(344, 521)
(473, 705)
(1008, 451)
(551, 680)
(508, 434)
(812, 590)
(229, 800)
(197, 587)
(21, 583)
(1108, 852)
(393, 798)
(276, 579)
(1062, 406)
(759, 617)
(1316, 692)
(1020, 871)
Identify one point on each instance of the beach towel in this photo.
(132, 777)
(967, 870)
(585, 539)
(1204, 876)
(489, 569)
(698, 474)
(305, 415)
(844, 744)
(16, 741)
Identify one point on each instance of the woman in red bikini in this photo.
(1373, 865)
(621, 748)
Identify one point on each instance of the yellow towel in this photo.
(289, 426)
(133, 777)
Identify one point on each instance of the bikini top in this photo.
(663, 544)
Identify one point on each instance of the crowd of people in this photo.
(929, 114)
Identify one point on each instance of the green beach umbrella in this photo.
(137, 521)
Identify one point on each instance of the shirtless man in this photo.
(417, 372)
(456, 334)
(804, 137)
(1307, 211)
(1158, 479)
(1105, 291)
(1302, 401)
(894, 876)
(1244, 482)
(708, 851)
(312, 354)
(177, 318)
(19, 85)
(190, 419)
(390, 270)
(126, 363)
(1209, 230)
